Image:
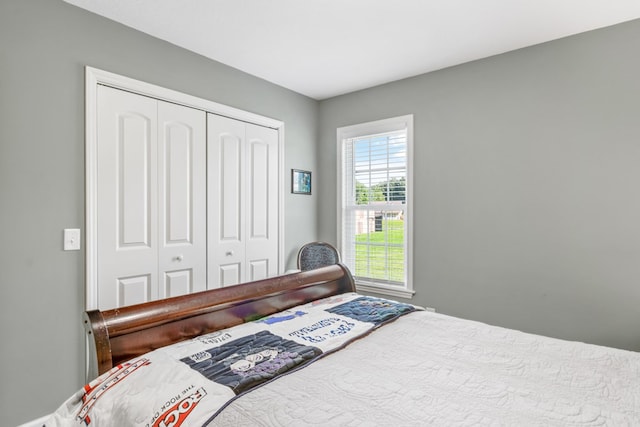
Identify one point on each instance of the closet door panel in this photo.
(229, 274)
(134, 290)
(262, 202)
(127, 214)
(230, 186)
(258, 269)
(258, 177)
(134, 193)
(178, 282)
(225, 201)
(182, 197)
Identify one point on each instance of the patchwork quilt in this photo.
(190, 382)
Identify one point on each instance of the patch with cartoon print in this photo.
(249, 361)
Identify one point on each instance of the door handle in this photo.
(179, 258)
(229, 253)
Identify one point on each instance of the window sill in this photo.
(388, 290)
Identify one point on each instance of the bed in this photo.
(305, 349)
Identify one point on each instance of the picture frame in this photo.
(300, 181)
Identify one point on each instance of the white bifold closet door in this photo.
(151, 187)
(242, 187)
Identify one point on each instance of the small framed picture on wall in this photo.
(300, 181)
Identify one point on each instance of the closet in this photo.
(242, 201)
(151, 199)
(186, 200)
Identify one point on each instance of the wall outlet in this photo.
(71, 239)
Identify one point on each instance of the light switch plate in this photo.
(71, 239)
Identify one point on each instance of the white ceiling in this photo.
(323, 48)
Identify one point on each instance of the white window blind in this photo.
(374, 199)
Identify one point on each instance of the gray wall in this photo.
(527, 185)
(44, 47)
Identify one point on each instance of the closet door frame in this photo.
(95, 77)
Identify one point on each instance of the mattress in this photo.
(352, 360)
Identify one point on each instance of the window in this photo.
(374, 204)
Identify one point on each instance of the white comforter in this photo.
(427, 368)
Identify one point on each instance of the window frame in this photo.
(344, 133)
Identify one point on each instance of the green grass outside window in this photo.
(380, 254)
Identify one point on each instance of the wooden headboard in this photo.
(118, 335)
